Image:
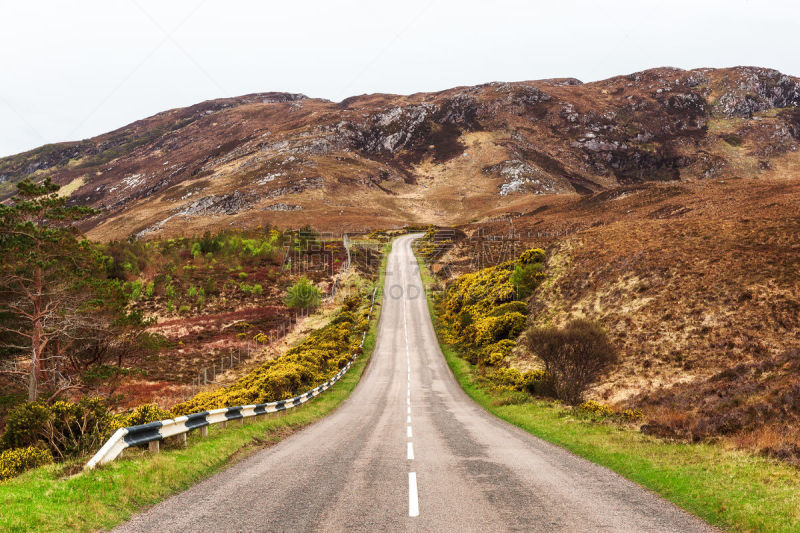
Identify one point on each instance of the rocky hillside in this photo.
(453, 156)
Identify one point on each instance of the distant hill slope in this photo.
(448, 157)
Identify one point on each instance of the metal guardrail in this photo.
(154, 432)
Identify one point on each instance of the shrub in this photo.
(258, 290)
(191, 292)
(209, 243)
(66, 429)
(534, 255)
(136, 290)
(144, 414)
(150, 289)
(536, 382)
(16, 461)
(574, 356)
(480, 314)
(599, 411)
(526, 278)
(184, 309)
(197, 250)
(495, 354)
(495, 328)
(23, 425)
(303, 295)
(510, 307)
(596, 409)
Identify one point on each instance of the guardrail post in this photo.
(224, 424)
(204, 431)
(154, 446)
(182, 440)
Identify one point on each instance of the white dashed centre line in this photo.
(413, 503)
(413, 497)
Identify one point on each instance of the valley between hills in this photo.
(665, 204)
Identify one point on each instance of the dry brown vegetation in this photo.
(697, 286)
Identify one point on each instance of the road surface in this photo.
(409, 451)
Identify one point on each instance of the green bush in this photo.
(258, 290)
(136, 290)
(150, 289)
(303, 295)
(526, 278)
(15, 461)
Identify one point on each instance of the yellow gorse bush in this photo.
(481, 313)
(311, 363)
(17, 460)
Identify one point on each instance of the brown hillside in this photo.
(697, 285)
(381, 160)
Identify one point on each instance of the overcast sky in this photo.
(72, 70)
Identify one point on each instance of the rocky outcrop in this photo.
(225, 204)
(757, 89)
(522, 177)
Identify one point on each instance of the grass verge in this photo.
(47, 499)
(732, 489)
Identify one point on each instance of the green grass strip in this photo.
(733, 489)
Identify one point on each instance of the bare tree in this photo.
(574, 356)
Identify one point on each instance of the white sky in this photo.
(72, 70)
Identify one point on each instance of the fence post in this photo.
(204, 431)
(205, 376)
(154, 446)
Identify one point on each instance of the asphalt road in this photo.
(409, 451)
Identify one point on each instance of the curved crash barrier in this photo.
(154, 432)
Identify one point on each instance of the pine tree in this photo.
(43, 263)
